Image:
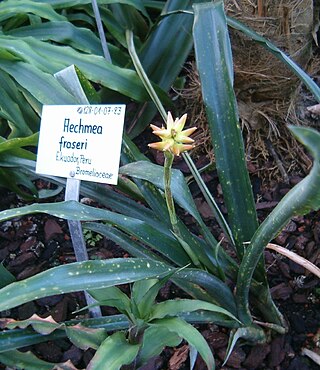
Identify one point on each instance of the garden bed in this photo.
(35, 243)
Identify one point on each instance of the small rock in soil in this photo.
(51, 228)
(164, 292)
(256, 356)
(290, 242)
(219, 189)
(87, 356)
(316, 232)
(315, 258)
(155, 363)
(268, 196)
(215, 339)
(290, 227)
(203, 208)
(282, 238)
(310, 249)
(26, 245)
(269, 257)
(60, 310)
(26, 228)
(285, 270)
(310, 284)
(284, 191)
(281, 291)
(49, 351)
(22, 260)
(297, 323)
(4, 252)
(277, 353)
(13, 246)
(297, 269)
(74, 354)
(294, 180)
(5, 226)
(236, 358)
(266, 205)
(26, 310)
(52, 248)
(299, 363)
(29, 271)
(301, 242)
(299, 298)
(49, 301)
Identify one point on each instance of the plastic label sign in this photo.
(81, 142)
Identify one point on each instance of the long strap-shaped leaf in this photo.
(302, 199)
(14, 109)
(79, 276)
(214, 61)
(165, 52)
(42, 58)
(10, 9)
(17, 338)
(72, 210)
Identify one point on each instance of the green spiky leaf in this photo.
(191, 335)
(79, 276)
(114, 352)
(215, 65)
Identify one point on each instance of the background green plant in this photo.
(23, 58)
(39, 38)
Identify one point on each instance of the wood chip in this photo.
(179, 358)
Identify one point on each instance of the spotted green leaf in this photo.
(79, 276)
(175, 307)
(142, 230)
(215, 65)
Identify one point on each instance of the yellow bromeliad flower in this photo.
(174, 138)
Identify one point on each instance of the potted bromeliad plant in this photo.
(162, 246)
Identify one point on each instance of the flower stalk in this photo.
(175, 140)
(168, 160)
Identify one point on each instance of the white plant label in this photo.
(81, 142)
